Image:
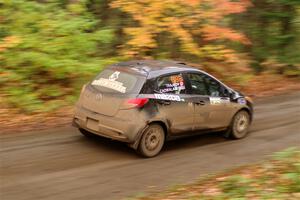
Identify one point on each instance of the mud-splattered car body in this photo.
(126, 98)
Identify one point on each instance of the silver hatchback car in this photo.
(143, 103)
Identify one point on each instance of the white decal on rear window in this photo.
(114, 76)
(110, 83)
(168, 97)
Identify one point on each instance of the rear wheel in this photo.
(240, 125)
(86, 133)
(152, 141)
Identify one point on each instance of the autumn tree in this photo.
(48, 48)
(194, 27)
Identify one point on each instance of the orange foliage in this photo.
(185, 20)
(226, 7)
(211, 32)
(8, 42)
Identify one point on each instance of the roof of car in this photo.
(154, 68)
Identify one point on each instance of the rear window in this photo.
(114, 81)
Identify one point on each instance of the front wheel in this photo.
(240, 125)
(152, 141)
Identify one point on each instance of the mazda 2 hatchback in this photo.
(143, 103)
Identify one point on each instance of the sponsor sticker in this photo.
(242, 101)
(173, 84)
(218, 100)
(111, 84)
(176, 79)
(172, 87)
(114, 76)
(170, 97)
(215, 100)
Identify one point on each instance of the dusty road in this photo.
(62, 164)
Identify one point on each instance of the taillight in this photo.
(134, 103)
(139, 102)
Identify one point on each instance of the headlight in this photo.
(249, 99)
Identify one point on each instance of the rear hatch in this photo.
(106, 93)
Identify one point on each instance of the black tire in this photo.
(86, 133)
(152, 141)
(240, 125)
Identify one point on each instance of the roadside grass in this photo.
(277, 178)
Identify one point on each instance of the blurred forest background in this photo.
(49, 48)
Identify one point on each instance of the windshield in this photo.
(114, 81)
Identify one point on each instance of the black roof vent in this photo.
(178, 62)
(181, 63)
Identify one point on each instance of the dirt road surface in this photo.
(62, 164)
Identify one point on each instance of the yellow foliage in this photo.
(185, 20)
(9, 42)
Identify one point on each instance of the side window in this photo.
(173, 84)
(148, 87)
(198, 85)
(214, 87)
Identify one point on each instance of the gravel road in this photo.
(63, 164)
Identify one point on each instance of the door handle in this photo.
(201, 103)
(224, 98)
(164, 102)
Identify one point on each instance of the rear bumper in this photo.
(116, 128)
(107, 134)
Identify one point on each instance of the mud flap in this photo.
(227, 132)
(136, 143)
(74, 124)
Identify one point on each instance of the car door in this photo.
(211, 103)
(173, 102)
(198, 91)
(220, 110)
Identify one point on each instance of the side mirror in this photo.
(232, 95)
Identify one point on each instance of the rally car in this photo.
(144, 103)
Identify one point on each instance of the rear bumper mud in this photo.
(106, 126)
(107, 134)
